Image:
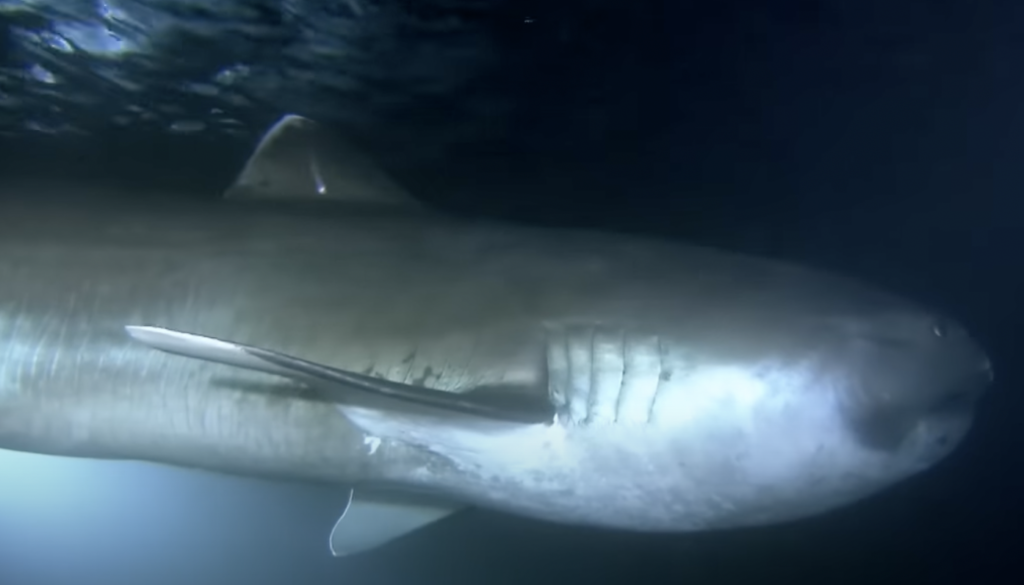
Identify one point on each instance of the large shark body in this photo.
(425, 364)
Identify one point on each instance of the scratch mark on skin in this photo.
(409, 361)
(664, 375)
(621, 394)
(463, 376)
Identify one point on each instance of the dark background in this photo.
(878, 138)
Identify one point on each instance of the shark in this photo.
(318, 323)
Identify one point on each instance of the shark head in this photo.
(870, 398)
(796, 400)
(913, 381)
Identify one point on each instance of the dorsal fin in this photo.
(297, 159)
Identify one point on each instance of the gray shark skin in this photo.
(425, 364)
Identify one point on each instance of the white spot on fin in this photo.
(371, 520)
(373, 443)
(297, 159)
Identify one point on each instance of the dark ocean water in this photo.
(881, 139)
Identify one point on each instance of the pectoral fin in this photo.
(507, 407)
(371, 520)
(201, 347)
